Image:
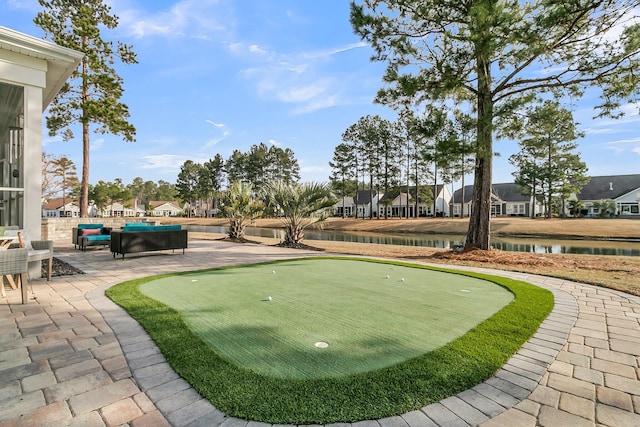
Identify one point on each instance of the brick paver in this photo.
(71, 357)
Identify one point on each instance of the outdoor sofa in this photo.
(139, 237)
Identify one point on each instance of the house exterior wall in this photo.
(629, 204)
(40, 68)
(29, 73)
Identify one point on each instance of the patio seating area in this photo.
(70, 356)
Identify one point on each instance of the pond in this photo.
(447, 241)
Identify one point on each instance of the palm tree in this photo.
(576, 207)
(300, 205)
(240, 207)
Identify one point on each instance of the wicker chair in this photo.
(38, 249)
(12, 262)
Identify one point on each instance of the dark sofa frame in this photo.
(126, 242)
(79, 242)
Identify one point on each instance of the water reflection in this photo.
(444, 241)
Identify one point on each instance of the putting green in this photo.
(369, 321)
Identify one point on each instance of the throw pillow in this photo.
(89, 231)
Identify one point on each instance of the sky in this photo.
(218, 75)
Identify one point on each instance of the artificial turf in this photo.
(370, 315)
(408, 385)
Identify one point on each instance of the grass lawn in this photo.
(394, 344)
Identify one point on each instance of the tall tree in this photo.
(187, 183)
(368, 137)
(100, 194)
(92, 96)
(418, 171)
(65, 172)
(343, 171)
(59, 177)
(485, 54)
(547, 165)
(211, 179)
(165, 191)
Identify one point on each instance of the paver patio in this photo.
(72, 357)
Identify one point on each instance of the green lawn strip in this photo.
(410, 385)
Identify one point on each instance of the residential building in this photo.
(345, 204)
(506, 200)
(366, 203)
(32, 71)
(61, 208)
(117, 209)
(164, 208)
(624, 190)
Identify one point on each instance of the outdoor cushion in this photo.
(97, 237)
(89, 226)
(90, 231)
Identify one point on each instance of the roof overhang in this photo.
(61, 61)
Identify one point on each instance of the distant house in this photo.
(346, 205)
(394, 204)
(164, 208)
(622, 189)
(61, 208)
(460, 206)
(506, 200)
(442, 197)
(366, 203)
(117, 209)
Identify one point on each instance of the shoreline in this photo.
(621, 273)
(614, 229)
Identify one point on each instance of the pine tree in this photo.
(92, 96)
(486, 54)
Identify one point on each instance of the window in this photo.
(11, 155)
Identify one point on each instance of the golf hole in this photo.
(321, 344)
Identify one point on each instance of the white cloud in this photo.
(254, 48)
(163, 161)
(96, 143)
(218, 125)
(318, 104)
(274, 143)
(303, 93)
(186, 18)
(594, 131)
(214, 141)
(299, 78)
(29, 5)
(330, 52)
(623, 145)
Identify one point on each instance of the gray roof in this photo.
(468, 192)
(507, 192)
(609, 187)
(363, 197)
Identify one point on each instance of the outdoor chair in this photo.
(15, 262)
(39, 250)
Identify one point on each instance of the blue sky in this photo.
(219, 75)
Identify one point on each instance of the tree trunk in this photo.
(478, 235)
(84, 185)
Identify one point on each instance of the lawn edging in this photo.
(410, 385)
